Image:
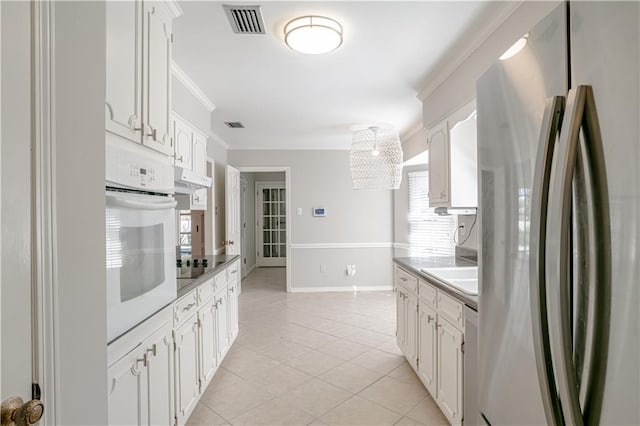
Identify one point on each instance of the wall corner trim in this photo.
(186, 81)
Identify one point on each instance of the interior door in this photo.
(243, 214)
(15, 204)
(232, 211)
(272, 224)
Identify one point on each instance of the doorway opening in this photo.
(265, 218)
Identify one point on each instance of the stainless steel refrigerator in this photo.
(559, 160)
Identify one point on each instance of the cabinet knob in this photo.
(429, 318)
(153, 350)
(144, 360)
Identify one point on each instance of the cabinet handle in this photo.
(429, 318)
(144, 360)
(153, 134)
(189, 306)
(231, 289)
(403, 279)
(153, 350)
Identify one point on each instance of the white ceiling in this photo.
(288, 100)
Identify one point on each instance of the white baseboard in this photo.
(341, 289)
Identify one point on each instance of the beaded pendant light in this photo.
(376, 159)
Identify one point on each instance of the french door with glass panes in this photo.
(271, 234)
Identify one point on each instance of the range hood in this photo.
(187, 181)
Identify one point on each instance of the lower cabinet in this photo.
(427, 347)
(158, 371)
(449, 370)
(187, 374)
(141, 383)
(430, 335)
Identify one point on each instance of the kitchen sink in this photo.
(464, 279)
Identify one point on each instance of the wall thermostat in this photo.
(319, 212)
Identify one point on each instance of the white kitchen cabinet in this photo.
(401, 322)
(222, 322)
(123, 97)
(187, 372)
(412, 329)
(183, 143)
(453, 180)
(449, 371)
(157, 76)
(199, 153)
(427, 347)
(138, 74)
(208, 359)
(439, 165)
(141, 382)
(232, 296)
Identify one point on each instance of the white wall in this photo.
(358, 228)
(460, 87)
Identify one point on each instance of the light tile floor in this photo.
(314, 359)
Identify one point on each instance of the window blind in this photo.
(429, 233)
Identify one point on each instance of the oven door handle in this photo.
(140, 205)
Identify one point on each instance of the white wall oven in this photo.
(140, 238)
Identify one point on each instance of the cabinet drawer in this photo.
(205, 291)
(451, 309)
(406, 280)
(428, 293)
(184, 308)
(220, 281)
(233, 271)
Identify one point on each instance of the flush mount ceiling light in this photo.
(516, 48)
(376, 159)
(313, 34)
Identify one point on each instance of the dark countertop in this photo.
(217, 263)
(414, 264)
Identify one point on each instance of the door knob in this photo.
(15, 412)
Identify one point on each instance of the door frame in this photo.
(261, 260)
(243, 226)
(287, 185)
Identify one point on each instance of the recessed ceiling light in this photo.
(313, 34)
(516, 48)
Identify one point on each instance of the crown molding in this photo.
(186, 81)
(440, 75)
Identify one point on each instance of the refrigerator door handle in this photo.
(551, 123)
(580, 115)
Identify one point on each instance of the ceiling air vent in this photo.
(234, 124)
(245, 19)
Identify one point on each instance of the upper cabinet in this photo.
(453, 180)
(138, 92)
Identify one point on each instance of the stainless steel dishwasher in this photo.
(470, 396)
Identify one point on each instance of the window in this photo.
(429, 233)
(185, 232)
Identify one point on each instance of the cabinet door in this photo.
(161, 376)
(222, 321)
(187, 375)
(157, 77)
(182, 140)
(400, 321)
(439, 165)
(427, 348)
(208, 350)
(449, 361)
(128, 390)
(199, 199)
(464, 158)
(412, 330)
(233, 309)
(199, 154)
(123, 97)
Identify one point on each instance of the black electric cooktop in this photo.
(193, 267)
